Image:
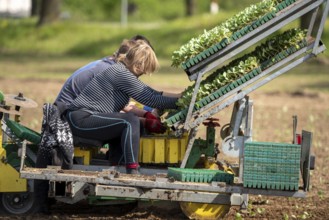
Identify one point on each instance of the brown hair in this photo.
(140, 57)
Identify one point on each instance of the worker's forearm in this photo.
(174, 95)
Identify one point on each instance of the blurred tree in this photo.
(49, 11)
(91, 10)
(190, 7)
(35, 7)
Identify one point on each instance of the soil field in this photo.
(273, 113)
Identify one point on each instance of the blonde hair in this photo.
(140, 57)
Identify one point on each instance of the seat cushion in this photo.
(86, 142)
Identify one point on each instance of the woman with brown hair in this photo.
(96, 111)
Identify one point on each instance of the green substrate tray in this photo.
(200, 175)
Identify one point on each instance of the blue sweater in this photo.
(106, 86)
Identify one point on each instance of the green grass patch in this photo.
(57, 50)
(20, 37)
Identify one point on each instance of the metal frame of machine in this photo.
(153, 184)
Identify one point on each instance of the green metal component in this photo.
(202, 147)
(12, 157)
(1, 96)
(199, 175)
(211, 136)
(196, 151)
(23, 133)
(271, 165)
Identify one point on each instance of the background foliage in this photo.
(91, 28)
(145, 10)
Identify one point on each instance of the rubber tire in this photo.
(18, 203)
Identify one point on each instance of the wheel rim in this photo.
(17, 203)
(204, 211)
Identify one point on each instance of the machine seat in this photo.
(86, 142)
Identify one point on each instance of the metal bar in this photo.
(247, 134)
(240, 95)
(148, 183)
(321, 27)
(306, 158)
(191, 139)
(191, 106)
(255, 36)
(298, 194)
(121, 169)
(294, 129)
(163, 194)
(31, 154)
(23, 155)
(238, 117)
(311, 25)
(249, 118)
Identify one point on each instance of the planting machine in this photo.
(177, 166)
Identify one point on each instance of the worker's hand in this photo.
(149, 115)
(130, 107)
(154, 126)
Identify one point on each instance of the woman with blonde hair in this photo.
(96, 111)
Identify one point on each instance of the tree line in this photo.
(49, 11)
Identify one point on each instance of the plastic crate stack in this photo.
(271, 165)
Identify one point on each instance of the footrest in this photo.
(200, 175)
(23, 133)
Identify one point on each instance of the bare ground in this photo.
(272, 122)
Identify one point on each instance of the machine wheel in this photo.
(17, 203)
(204, 211)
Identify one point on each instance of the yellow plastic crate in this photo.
(162, 149)
(85, 154)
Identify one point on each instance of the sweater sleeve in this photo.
(129, 84)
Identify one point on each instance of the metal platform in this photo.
(156, 187)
